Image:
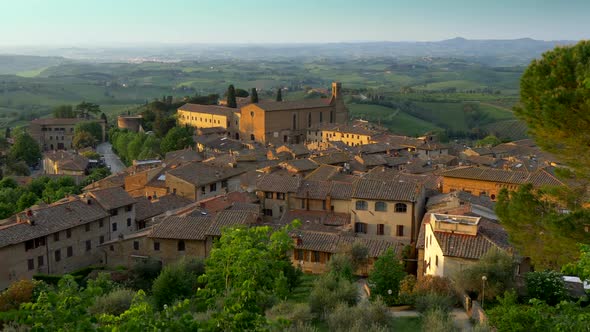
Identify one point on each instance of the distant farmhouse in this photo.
(58, 133)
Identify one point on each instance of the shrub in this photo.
(18, 292)
(547, 286)
(406, 289)
(113, 303)
(361, 317)
(433, 284)
(329, 290)
(143, 273)
(296, 314)
(497, 266)
(437, 320)
(385, 277)
(359, 255)
(342, 266)
(432, 301)
(175, 282)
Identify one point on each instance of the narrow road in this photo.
(111, 159)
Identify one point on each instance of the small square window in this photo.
(70, 251)
(156, 246)
(57, 255)
(128, 222)
(114, 227)
(88, 245)
(40, 261)
(135, 245)
(68, 233)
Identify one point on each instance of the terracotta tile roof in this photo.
(60, 121)
(300, 165)
(229, 218)
(376, 247)
(462, 197)
(208, 109)
(341, 190)
(182, 227)
(145, 208)
(386, 190)
(317, 220)
(333, 158)
(313, 189)
(537, 178)
(111, 198)
(278, 183)
(345, 129)
(67, 160)
(334, 243)
(318, 241)
(200, 174)
(222, 202)
(269, 106)
(115, 180)
(369, 160)
(50, 219)
(243, 206)
(182, 156)
(324, 172)
(373, 148)
(295, 149)
(482, 160)
(490, 234)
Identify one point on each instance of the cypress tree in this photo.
(279, 95)
(254, 96)
(231, 97)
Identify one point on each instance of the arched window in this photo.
(380, 206)
(294, 125)
(309, 119)
(362, 205)
(401, 208)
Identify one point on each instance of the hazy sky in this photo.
(82, 22)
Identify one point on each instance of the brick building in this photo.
(58, 133)
(287, 121)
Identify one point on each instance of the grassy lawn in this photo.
(406, 324)
(398, 122)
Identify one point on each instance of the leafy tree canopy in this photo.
(538, 230)
(177, 138)
(94, 128)
(555, 103)
(64, 111)
(254, 96)
(231, 97)
(25, 148)
(84, 109)
(83, 139)
(384, 280)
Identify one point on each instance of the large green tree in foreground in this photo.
(555, 103)
(537, 229)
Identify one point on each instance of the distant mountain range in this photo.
(490, 52)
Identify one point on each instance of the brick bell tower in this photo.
(341, 112)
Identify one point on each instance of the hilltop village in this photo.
(269, 163)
